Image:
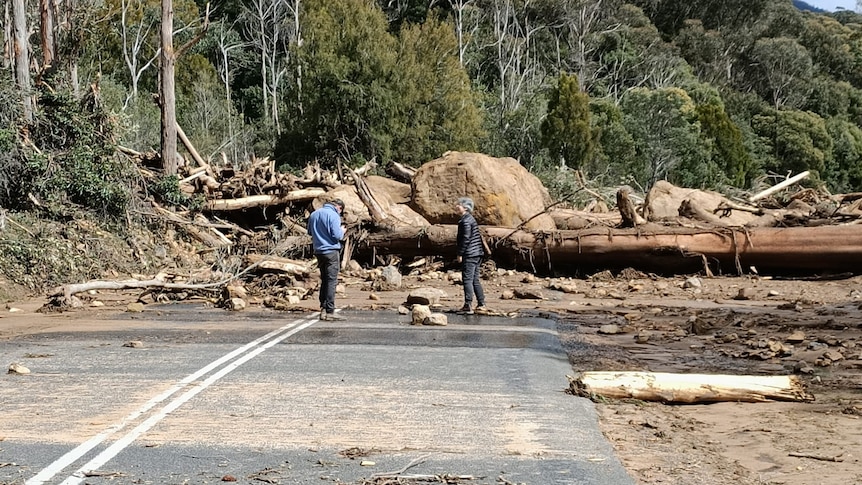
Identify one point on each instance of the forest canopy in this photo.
(701, 93)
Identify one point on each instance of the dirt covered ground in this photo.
(686, 324)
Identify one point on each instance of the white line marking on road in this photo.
(75, 454)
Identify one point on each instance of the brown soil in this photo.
(725, 325)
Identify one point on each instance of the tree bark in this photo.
(264, 200)
(22, 56)
(68, 290)
(366, 195)
(688, 388)
(167, 93)
(46, 11)
(191, 148)
(652, 248)
(276, 263)
(8, 38)
(778, 186)
(626, 208)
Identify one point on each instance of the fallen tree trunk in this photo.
(653, 248)
(277, 263)
(263, 200)
(68, 290)
(366, 195)
(688, 388)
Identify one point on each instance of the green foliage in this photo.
(663, 124)
(729, 152)
(383, 80)
(40, 262)
(834, 98)
(669, 16)
(514, 133)
(798, 141)
(832, 46)
(371, 93)
(75, 161)
(206, 114)
(12, 170)
(405, 11)
(436, 110)
(843, 172)
(784, 69)
(39, 253)
(635, 55)
(347, 96)
(705, 52)
(167, 189)
(139, 123)
(566, 130)
(615, 152)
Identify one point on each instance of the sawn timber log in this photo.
(648, 247)
(688, 388)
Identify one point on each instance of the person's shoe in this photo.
(332, 317)
(482, 309)
(466, 310)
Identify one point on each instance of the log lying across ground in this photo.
(264, 200)
(277, 263)
(649, 247)
(688, 388)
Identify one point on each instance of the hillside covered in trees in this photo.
(701, 93)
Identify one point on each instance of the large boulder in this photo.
(664, 200)
(388, 195)
(504, 192)
(355, 211)
(398, 192)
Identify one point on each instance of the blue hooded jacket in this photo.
(324, 225)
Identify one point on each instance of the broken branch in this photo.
(836, 458)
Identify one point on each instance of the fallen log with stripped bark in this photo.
(688, 388)
(649, 247)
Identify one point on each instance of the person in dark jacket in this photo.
(324, 226)
(470, 253)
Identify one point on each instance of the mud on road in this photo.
(633, 321)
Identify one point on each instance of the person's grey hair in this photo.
(338, 202)
(466, 203)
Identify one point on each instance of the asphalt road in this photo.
(266, 397)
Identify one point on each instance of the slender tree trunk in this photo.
(22, 56)
(46, 13)
(7, 37)
(68, 17)
(168, 94)
(299, 42)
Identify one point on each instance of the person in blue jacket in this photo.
(324, 226)
(470, 253)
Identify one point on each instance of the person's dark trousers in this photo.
(470, 275)
(329, 264)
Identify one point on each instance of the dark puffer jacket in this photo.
(469, 237)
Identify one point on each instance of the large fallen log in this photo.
(653, 248)
(688, 388)
(277, 263)
(263, 200)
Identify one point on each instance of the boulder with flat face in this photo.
(388, 195)
(504, 192)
